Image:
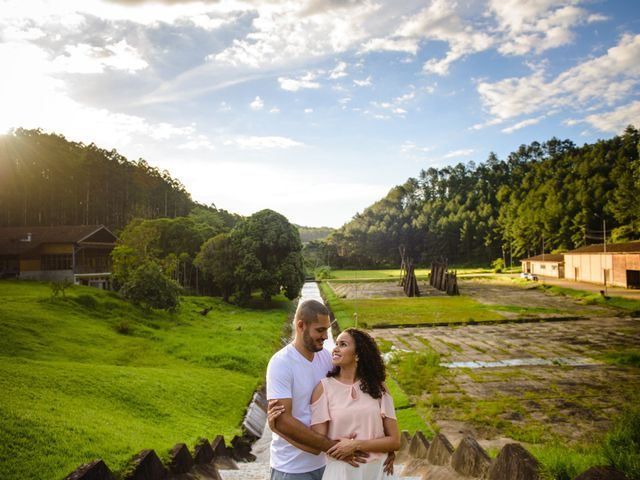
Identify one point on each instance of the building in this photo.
(547, 265)
(616, 264)
(78, 253)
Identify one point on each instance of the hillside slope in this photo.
(89, 376)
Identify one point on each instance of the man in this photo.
(292, 374)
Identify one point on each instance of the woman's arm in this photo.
(320, 428)
(389, 443)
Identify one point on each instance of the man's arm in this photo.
(294, 430)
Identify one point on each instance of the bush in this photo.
(148, 286)
(497, 265)
(123, 327)
(59, 286)
(322, 273)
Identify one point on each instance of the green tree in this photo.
(269, 256)
(217, 259)
(149, 286)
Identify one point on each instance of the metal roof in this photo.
(17, 240)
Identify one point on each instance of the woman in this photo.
(353, 405)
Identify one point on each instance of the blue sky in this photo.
(317, 108)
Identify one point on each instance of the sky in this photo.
(317, 108)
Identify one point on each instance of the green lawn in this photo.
(390, 274)
(75, 389)
(409, 311)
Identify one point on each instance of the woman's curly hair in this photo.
(370, 367)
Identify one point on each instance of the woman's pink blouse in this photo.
(351, 411)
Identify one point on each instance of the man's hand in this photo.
(343, 449)
(387, 466)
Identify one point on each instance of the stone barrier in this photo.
(146, 466)
(469, 459)
(207, 458)
(438, 460)
(96, 470)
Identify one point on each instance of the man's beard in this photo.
(309, 343)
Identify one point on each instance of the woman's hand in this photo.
(274, 411)
(344, 449)
(388, 463)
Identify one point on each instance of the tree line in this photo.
(48, 180)
(157, 259)
(551, 196)
(168, 244)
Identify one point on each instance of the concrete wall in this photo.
(547, 269)
(592, 268)
(47, 275)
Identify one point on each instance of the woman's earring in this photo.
(357, 359)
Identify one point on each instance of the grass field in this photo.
(89, 376)
(394, 274)
(409, 311)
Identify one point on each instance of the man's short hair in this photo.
(309, 310)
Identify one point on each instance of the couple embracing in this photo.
(330, 412)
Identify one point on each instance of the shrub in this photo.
(498, 265)
(59, 286)
(148, 286)
(322, 273)
(123, 327)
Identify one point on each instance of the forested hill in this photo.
(47, 180)
(554, 193)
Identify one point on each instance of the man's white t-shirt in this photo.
(291, 375)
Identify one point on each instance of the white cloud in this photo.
(488, 123)
(459, 153)
(339, 71)
(208, 23)
(596, 83)
(407, 45)
(84, 58)
(396, 106)
(72, 13)
(274, 110)
(537, 26)
(257, 104)
(308, 110)
(363, 83)
(33, 97)
(615, 121)
(293, 85)
(224, 107)
(438, 21)
(523, 124)
(247, 142)
(284, 32)
(199, 142)
(409, 147)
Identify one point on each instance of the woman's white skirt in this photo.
(337, 470)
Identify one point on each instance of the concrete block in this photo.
(469, 459)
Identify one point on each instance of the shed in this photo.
(546, 265)
(616, 264)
